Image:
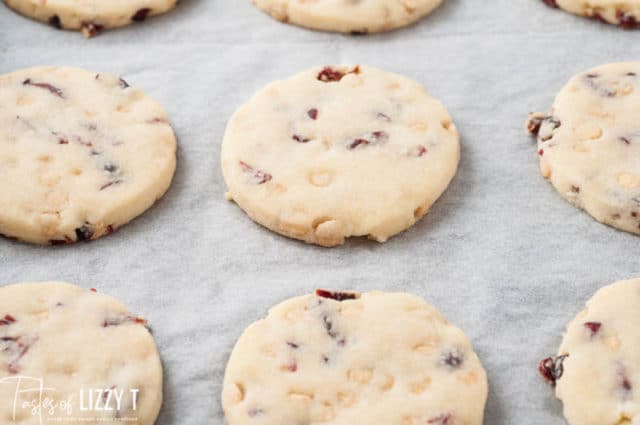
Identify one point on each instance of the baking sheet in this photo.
(501, 254)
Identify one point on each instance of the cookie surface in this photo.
(589, 144)
(625, 13)
(90, 16)
(85, 349)
(600, 373)
(385, 358)
(339, 151)
(81, 154)
(349, 16)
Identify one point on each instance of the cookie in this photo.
(346, 358)
(589, 144)
(90, 16)
(596, 373)
(74, 356)
(349, 16)
(339, 151)
(81, 154)
(625, 13)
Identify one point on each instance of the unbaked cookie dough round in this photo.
(597, 372)
(340, 151)
(349, 16)
(81, 154)
(90, 16)
(74, 356)
(589, 143)
(625, 13)
(345, 358)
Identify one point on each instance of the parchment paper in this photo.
(501, 254)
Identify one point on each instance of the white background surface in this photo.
(501, 254)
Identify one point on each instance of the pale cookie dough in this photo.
(625, 13)
(597, 371)
(90, 16)
(589, 144)
(340, 151)
(344, 359)
(81, 154)
(349, 16)
(84, 349)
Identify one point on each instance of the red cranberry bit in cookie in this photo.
(8, 320)
(418, 151)
(313, 113)
(328, 326)
(141, 15)
(293, 345)
(594, 327)
(626, 20)
(17, 347)
(91, 29)
(122, 319)
(255, 412)
(328, 74)
(257, 176)
(551, 3)
(452, 358)
(338, 296)
(52, 89)
(383, 117)
(552, 368)
(55, 22)
(123, 83)
(375, 137)
(84, 232)
(300, 139)
(444, 419)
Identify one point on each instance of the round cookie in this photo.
(81, 154)
(589, 144)
(349, 16)
(625, 13)
(90, 16)
(74, 356)
(597, 373)
(339, 151)
(342, 358)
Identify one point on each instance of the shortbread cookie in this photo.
(81, 154)
(349, 16)
(597, 372)
(94, 361)
(625, 13)
(339, 151)
(589, 144)
(342, 358)
(90, 16)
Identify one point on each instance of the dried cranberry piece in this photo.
(255, 412)
(552, 368)
(453, 358)
(300, 139)
(52, 89)
(123, 83)
(55, 22)
(328, 74)
(109, 184)
(336, 295)
(627, 21)
(293, 345)
(8, 320)
(594, 327)
(91, 29)
(444, 419)
(84, 232)
(257, 176)
(363, 31)
(141, 15)
(551, 3)
(375, 137)
(328, 326)
(313, 113)
(110, 168)
(122, 319)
